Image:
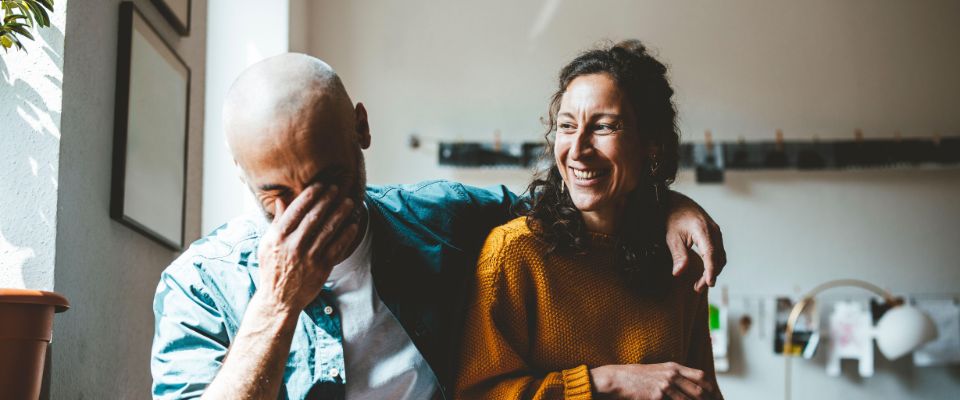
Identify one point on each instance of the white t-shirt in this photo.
(381, 360)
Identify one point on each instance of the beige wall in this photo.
(460, 70)
(107, 271)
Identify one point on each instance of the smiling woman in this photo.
(576, 298)
(614, 147)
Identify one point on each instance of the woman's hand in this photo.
(652, 382)
(689, 225)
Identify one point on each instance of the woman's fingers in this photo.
(691, 389)
(644, 380)
(673, 393)
(693, 379)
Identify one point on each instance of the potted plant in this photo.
(26, 327)
(18, 15)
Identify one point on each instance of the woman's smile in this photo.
(587, 176)
(597, 150)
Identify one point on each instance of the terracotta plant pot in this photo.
(26, 326)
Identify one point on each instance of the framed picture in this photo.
(150, 132)
(177, 12)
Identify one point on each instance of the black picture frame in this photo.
(123, 206)
(178, 16)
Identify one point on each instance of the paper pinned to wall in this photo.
(944, 350)
(805, 330)
(719, 337)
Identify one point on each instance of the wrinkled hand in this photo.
(302, 244)
(652, 382)
(689, 225)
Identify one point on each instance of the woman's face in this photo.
(597, 148)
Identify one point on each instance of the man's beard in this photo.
(359, 188)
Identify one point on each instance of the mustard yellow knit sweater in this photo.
(537, 323)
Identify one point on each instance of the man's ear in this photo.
(361, 126)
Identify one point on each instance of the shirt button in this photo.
(334, 372)
(328, 310)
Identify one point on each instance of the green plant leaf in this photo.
(48, 4)
(13, 18)
(24, 10)
(24, 32)
(39, 14)
(19, 17)
(7, 37)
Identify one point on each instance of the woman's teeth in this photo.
(588, 173)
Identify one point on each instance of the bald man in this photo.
(336, 289)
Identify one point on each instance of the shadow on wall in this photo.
(4, 75)
(30, 111)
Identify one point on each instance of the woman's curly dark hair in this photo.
(550, 211)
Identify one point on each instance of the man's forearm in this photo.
(253, 368)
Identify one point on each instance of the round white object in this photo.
(902, 330)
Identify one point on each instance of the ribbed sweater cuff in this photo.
(576, 383)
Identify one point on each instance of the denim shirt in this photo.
(426, 241)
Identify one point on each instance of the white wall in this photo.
(30, 107)
(233, 46)
(107, 271)
(460, 70)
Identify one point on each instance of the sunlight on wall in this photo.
(30, 108)
(231, 47)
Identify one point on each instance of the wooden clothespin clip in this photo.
(414, 141)
(496, 140)
(709, 138)
(858, 135)
(779, 142)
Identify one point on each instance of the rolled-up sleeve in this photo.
(190, 339)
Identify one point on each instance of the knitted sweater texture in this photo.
(537, 322)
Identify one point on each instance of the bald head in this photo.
(278, 90)
(289, 121)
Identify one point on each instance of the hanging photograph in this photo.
(177, 12)
(150, 132)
